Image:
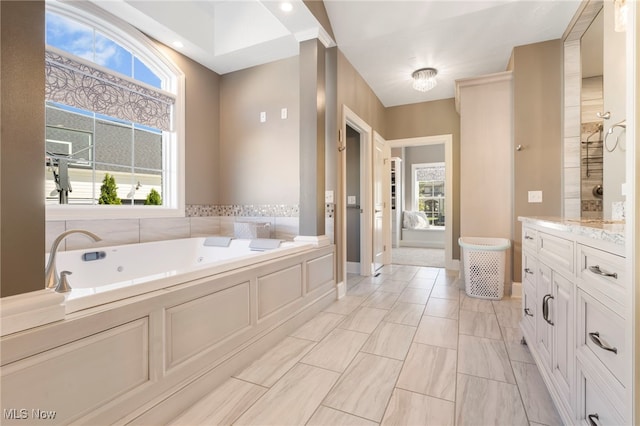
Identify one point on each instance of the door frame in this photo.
(366, 190)
(447, 140)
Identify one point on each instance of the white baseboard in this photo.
(353, 268)
(516, 290)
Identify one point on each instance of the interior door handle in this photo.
(528, 271)
(527, 312)
(591, 418)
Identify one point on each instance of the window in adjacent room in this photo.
(429, 191)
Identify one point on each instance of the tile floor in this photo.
(404, 348)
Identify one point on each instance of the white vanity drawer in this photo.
(603, 274)
(556, 252)
(594, 407)
(529, 239)
(602, 333)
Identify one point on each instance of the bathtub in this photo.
(107, 274)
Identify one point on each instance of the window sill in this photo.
(70, 212)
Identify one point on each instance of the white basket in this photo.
(483, 266)
(251, 230)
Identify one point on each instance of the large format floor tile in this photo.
(475, 304)
(319, 326)
(346, 305)
(337, 350)
(537, 402)
(438, 332)
(409, 408)
(482, 357)
(293, 400)
(487, 402)
(267, 369)
(390, 340)
(479, 324)
(222, 406)
(381, 300)
(326, 416)
(430, 370)
(405, 313)
(365, 387)
(364, 319)
(403, 362)
(444, 308)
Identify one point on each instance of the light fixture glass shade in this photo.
(424, 79)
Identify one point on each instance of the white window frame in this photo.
(415, 205)
(173, 79)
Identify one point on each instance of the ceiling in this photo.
(384, 40)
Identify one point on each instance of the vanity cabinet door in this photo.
(563, 328)
(544, 329)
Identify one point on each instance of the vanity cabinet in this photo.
(575, 321)
(547, 267)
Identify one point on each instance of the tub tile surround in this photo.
(199, 221)
(397, 365)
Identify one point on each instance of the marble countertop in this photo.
(605, 230)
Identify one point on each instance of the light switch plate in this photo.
(535, 196)
(284, 113)
(263, 116)
(328, 196)
(351, 199)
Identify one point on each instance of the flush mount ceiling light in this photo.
(424, 79)
(286, 6)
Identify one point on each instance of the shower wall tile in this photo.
(112, 231)
(286, 228)
(572, 207)
(572, 152)
(158, 229)
(572, 121)
(572, 182)
(204, 226)
(53, 228)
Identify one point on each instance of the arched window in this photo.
(114, 117)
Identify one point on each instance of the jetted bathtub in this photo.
(105, 274)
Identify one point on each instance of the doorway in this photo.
(354, 210)
(423, 215)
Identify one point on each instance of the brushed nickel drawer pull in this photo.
(591, 417)
(528, 271)
(595, 338)
(596, 270)
(527, 312)
(545, 308)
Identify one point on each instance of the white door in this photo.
(378, 204)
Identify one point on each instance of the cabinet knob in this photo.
(595, 338)
(596, 270)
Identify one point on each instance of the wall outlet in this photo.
(263, 116)
(328, 196)
(535, 196)
(284, 113)
(351, 199)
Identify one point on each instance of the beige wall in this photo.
(430, 119)
(202, 119)
(537, 91)
(22, 147)
(356, 94)
(259, 161)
